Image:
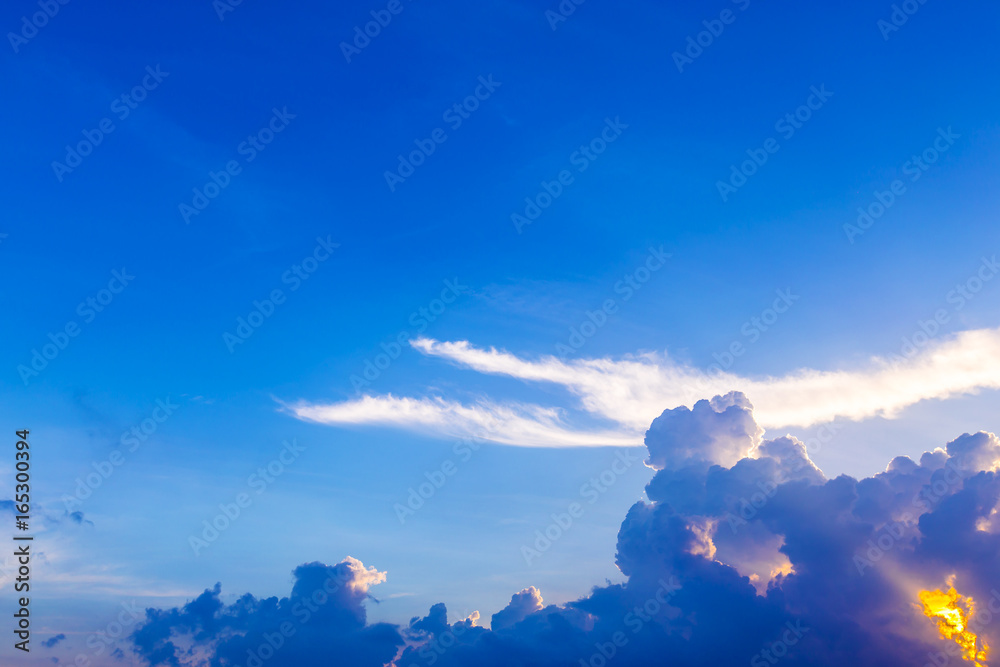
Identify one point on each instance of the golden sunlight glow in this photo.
(784, 569)
(702, 529)
(952, 612)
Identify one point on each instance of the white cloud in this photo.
(509, 424)
(630, 392)
(362, 578)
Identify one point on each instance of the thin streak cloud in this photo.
(509, 424)
(629, 391)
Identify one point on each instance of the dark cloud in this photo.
(745, 554)
(521, 606)
(52, 641)
(323, 618)
(79, 519)
(53, 518)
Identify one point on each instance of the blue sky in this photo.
(321, 181)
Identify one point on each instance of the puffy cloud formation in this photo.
(745, 553)
(521, 606)
(323, 619)
(720, 431)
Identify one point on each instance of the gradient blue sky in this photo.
(323, 176)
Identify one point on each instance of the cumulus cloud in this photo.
(720, 431)
(979, 451)
(743, 553)
(521, 605)
(323, 617)
(630, 391)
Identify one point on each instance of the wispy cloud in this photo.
(509, 424)
(629, 392)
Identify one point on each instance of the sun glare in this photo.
(952, 612)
